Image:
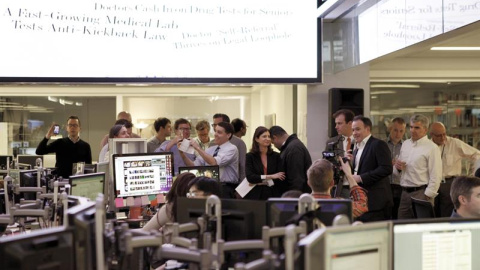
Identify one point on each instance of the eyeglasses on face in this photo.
(194, 193)
(73, 125)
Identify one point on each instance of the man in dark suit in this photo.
(296, 159)
(344, 143)
(372, 167)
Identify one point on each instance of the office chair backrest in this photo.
(422, 208)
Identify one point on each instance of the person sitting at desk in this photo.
(201, 187)
(465, 194)
(168, 211)
(320, 180)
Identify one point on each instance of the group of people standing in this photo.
(270, 172)
(384, 175)
(395, 170)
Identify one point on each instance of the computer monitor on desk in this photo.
(241, 219)
(436, 244)
(4, 160)
(41, 249)
(207, 171)
(29, 159)
(138, 176)
(281, 210)
(362, 247)
(87, 185)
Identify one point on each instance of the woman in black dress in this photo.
(263, 167)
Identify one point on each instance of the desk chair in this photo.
(422, 208)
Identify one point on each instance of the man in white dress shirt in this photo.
(223, 153)
(420, 166)
(453, 151)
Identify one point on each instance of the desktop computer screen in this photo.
(362, 247)
(436, 244)
(207, 171)
(87, 185)
(29, 159)
(281, 210)
(49, 248)
(4, 160)
(142, 174)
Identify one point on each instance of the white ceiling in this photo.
(419, 63)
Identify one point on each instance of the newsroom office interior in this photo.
(442, 81)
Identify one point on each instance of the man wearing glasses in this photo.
(453, 152)
(223, 154)
(241, 146)
(182, 131)
(67, 150)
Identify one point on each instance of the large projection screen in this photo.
(160, 41)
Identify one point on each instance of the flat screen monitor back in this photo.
(241, 219)
(127, 146)
(50, 248)
(82, 218)
(28, 178)
(3, 161)
(29, 159)
(280, 210)
(108, 185)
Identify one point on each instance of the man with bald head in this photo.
(126, 116)
(453, 152)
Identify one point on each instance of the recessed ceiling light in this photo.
(394, 86)
(386, 92)
(455, 48)
(54, 99)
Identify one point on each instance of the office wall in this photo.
(317, 104)
(100, 118)
(267, 100)
(248, 103)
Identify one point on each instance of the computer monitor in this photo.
(366, 246)
(87, 185)
(241, 219)
(28, 178)
(49, 160)
(90, 168)
(29, 159)
(82, 219)
(108, 185)
(208, 171)
(50, 248)
(281, 210)
(127, 146)
(142, 174)
(3, 161)
(441, 243)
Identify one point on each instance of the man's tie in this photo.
(349, 144)
(216, 151)
(354, 158)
